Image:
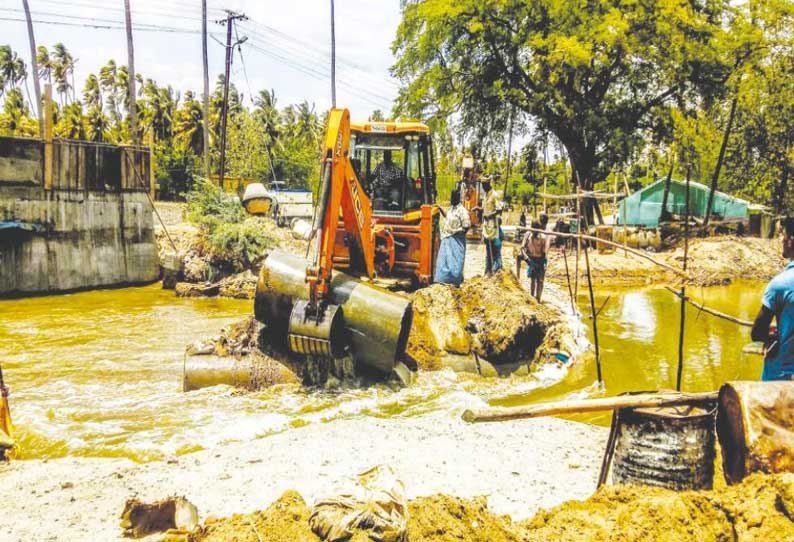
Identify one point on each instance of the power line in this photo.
(108, 27)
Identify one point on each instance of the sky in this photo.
(288, 45)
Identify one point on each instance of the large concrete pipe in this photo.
(249, 372)
(377, 321)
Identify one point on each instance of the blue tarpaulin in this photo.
(21, 226)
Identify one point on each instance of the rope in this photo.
(151, 201)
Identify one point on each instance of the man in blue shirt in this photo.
(778, 302)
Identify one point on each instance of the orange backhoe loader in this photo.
(376, 218)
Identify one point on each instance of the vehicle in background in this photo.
(291, 203)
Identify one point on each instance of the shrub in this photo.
(231, 239)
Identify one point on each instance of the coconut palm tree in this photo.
(15, 119)
(92, 92)
(307, 123)
(45, 63)
(107, 82)
(190, 124)
(72, 123)
(12, 68)
(63, 71)
(98, 124)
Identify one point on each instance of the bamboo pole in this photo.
(683, 288)
(707, 310)
(645, 400)
(568, 279)
(635, 252)
(578, 242)
(594, 316)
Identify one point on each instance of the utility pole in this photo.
(35, 66)
(206, 107)
(333, 56)
(231, 16)
(131, 69)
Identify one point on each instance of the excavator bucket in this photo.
(369, 322)
(316, 333)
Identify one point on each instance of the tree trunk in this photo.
(206, 105)
(716, 175)
(663, 214)
(35, 67)
(133, 112)
(782, 189)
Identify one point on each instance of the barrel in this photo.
(671, 448)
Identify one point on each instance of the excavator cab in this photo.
(394, 163)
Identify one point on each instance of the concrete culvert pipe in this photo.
(377, 321)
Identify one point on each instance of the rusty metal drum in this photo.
(672, 448)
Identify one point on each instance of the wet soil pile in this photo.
(760, 509)
(493, 317)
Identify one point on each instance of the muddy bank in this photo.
(712, 261)
(520, 467)
(759, 509)
(490, 319)
(203, 274)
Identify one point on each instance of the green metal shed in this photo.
(643, 208)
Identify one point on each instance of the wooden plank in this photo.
(645, 400)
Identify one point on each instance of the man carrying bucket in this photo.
(778, 302)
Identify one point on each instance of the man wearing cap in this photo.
(491, 232)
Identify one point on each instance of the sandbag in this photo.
(373, 501)
(755, 426)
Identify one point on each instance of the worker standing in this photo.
(534, 249)
(778, 302)
(491, 232)
(452, 252)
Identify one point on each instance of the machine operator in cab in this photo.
(778, 302)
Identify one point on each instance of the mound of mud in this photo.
(494, 317)
(759, 509)
(286, 520)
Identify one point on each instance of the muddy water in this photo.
(639, 335)
(99, 373)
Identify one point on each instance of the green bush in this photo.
(232, 239)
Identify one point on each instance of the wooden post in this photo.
(568, 279)
(593, 312)
(683, 288)
(625, 226)
(48, 129)
(578, 244)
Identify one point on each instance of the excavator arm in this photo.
(341, 193)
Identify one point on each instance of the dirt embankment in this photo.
(201, 276)
(711, 261)
(760, 509)
(492, 319)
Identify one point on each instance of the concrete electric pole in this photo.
(131, 69)
(206, 102)
(231, 16)
(333, 56)
(34, 65)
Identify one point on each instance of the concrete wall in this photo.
(95, 223)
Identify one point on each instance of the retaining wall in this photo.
(83, 220)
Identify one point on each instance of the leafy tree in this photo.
(594, 74)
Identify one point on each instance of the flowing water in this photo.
(99, 373)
